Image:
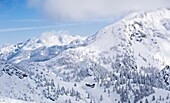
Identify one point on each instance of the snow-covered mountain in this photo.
(144, 36)
(26, 50)
(124, 62)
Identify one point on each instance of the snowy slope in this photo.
(143, 35)
(9, 100)
(124, 62)
(160, 96)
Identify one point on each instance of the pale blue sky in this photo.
(19, 22)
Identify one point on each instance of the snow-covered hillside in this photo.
(143, 35)
(125, 62)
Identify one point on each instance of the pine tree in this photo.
(69, 101)
(167, 96)
(88, 95)
(160, 98)
(108, 93)
(101, 98)
(146, 100)
(153, 98)
(104, 89)
(91, 101)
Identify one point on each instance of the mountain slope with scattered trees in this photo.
(125, 62)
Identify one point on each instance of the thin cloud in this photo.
(92, 9)
(33, 28)
(29, 20)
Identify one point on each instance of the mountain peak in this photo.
(142, 35)
(158, 13)
(48, 39)
(58, 38)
